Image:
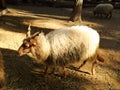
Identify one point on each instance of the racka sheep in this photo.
(63, 47)
(103, 10)
(2, 73)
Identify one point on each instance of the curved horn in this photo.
(29, 31)
(35, 34)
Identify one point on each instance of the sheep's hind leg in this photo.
(84, 62)
(83, 69)
(93, 67)
(49, 70)
(90, 65)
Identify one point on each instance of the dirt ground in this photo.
(24, 73)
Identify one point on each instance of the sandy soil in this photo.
(24, 73)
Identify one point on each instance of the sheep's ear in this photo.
(33, 42)
(29, 31)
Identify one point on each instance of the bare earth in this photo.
(24, 73)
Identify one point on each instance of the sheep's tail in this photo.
(100, 58)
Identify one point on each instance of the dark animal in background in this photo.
(63, 47)
(103, 10)
(2, 73)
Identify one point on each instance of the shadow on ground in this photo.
(26, 74)
(110, 44)
(15, 24)
(41, 10)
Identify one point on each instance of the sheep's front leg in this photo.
(61, 72)
(49, 70)
(64, 72)
(46, 69)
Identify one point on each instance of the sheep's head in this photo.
(28, 43)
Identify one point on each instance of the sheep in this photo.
(2, 73)
(103, 10)
(63, 47)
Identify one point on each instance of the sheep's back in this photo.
(72, 44)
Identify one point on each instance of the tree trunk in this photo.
(77, 10)
(2, 4)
